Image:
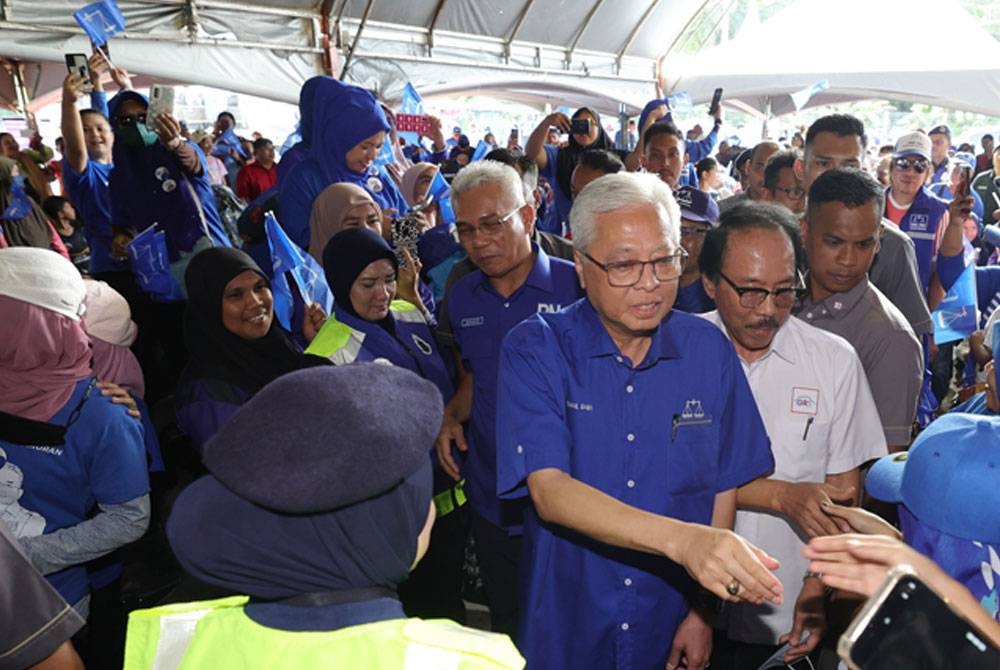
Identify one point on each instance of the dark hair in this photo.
(601, 160)
(705, 165)
(748, 215)
(93, 112)
(743, 159)
(841, 125)
(229, 114)
(850, 187)
(775, 164)
(886, 149)
(53, 205)
(987, 136)
(502, 155)
(261, 143)
(10, 135)
(661, 128)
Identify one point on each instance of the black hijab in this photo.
(569, 155)
(346, 256)
(216, 353)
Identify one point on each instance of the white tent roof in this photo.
(885, 49)
(601, 52)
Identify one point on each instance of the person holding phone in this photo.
(556, 163)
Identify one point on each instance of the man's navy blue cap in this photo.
(941, 130)
(696, 205)
(321, 438)
(456, 129)
(948, 479)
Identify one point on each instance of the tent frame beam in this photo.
(434, 21)
(357, 38)
(513, 33)
(635, 32)
(583, 28)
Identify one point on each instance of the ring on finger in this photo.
(733, 587)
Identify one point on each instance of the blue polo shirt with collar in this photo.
(665, 436)
(479, 318)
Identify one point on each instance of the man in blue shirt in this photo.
(630, 426)
(515, 280)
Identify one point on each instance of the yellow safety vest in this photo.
(217, 634)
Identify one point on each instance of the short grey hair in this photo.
(479, 173)
(623, 190)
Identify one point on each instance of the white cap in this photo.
(44, 278)
(913, 144)
(108, 315)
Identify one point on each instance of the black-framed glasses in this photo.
(622, 274)
(128, 120)
(919, 165)
(467, 232)
(793, 192)
(751, 296)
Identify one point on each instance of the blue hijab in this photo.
(343, 117)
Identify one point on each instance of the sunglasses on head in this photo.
(919, 165)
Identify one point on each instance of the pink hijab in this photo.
(328, 212)
(43, 355)
(108, 321)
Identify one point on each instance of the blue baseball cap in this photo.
(949, 478)
(696, 205)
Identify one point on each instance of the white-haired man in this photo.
(515, 279)
(619, 418)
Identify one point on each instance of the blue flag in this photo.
(680, 102)
(20, 202)
(481, 150)
(100, 20)
(288, 259)
(412, 104)
(800, 98)
(441, 191)
(147, 253)
(955, 318)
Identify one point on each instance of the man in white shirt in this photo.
(817, 408)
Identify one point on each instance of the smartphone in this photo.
(161, 101)
(415, 123)
(580, 127)
(962, 188)
(907, 625)
(713, 109)
(406, 231)
(79, 65)
(514, 134)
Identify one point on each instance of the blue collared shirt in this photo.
(665, 436)
(479, 318)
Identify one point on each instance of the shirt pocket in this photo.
(800, 448)
(693, 457)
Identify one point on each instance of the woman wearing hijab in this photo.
(66, 449)
(556, 163)
(317, 505)
(236, 345)
(338, 207)
(22, 221)
(300, 150)
(349, 130)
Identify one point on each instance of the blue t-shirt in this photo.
(665, 436)
(693, 299)
(90, 193)
(103, 461)
(479, 318)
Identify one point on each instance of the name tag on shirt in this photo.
(805, 401)
(470, 321)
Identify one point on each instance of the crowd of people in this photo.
(629, 392)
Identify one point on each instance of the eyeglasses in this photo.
(751, 297)
(622, 274)
(489, 228)
(692, 231)
(793, 192)
(919, 165)
(130, 120)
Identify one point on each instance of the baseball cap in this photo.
(43, 278)
(696, 205)
(965, 158)
(948, 479)
(941, 130)
(913, 144)
(456, 129)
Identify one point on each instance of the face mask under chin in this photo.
(137, 135)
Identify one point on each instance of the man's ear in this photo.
(578, 262)
(799, 168)
(709, 286)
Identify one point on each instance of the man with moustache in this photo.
(630, 426)
(814, 399)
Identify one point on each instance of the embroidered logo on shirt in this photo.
(805, 400)
(470, 321)
(581, 406)
(548, 308)
(693, 410)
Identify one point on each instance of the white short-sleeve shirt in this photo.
(818, 410)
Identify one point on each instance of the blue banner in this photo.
(100, 20)
(481, 150)
(411, 104)
(680, 102)
(955, 318)
(150, 264)
(20, 202)
(800, 98)
(288, 259)
(441, 191)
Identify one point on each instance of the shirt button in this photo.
(628, 582)
(520, 449)
(630, 483)
(630, 437)
(624, 626)
(629, 388)
(809, 315)
(618, 358)
(506, 304)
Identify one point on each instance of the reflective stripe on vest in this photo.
(342, 343)
(218, 635)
